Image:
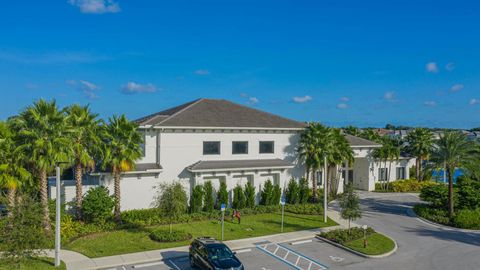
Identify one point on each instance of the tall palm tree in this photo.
(122, 148)
(85, 141)
(43, 142)
(453, 150)
(420, 144)
(392, 153)
(339, 152)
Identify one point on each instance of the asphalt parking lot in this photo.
(312, 253)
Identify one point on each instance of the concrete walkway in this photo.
(77, 261)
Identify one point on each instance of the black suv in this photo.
(210, 254)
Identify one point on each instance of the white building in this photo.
(217, 140)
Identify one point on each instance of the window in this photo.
(239, 147)
(266, 147)
(211, 148)
(401, 173)
(382, 174)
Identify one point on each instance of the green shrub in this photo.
(304, 209)
(407, 185)
(342, 236)
(276, 195)
(161, 235)
(468, 193)
(249, 195)
(468, 219)
(437, 195)
(239, 199)
(304, 192)
(196, 199)
(171, 201)
(267, 193)
(222, 196)
(209, 197)
(291, 193)
(434, 214)
(97, 205)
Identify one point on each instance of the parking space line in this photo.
(280, 248)
(174, 265)
(243, 250)
(306, 257)
(147, 264)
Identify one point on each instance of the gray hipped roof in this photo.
(217, 113)
(360, 142)
(214, 165)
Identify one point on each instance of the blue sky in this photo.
(365, 63)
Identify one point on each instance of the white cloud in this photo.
(344, 99)
(390, 96)
(431, 67)
(474, 101)
(430, 103)
(202, 72)
(96, 6)
(89, 89)
(253, 100)
(303, 99)
(131, 88)
(457, 87)
(342, 106)
(450, 66)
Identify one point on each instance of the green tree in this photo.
(85, 141)
(171, 201)
(209, 197)
(352, 130)
(291, 194)
(249, 195)
(303, 191)
(420, 143)
(196, 199)
(43, 141)
(97, 205)
(239, 199)
(276, 195)
(121, 149)
(222, 195)
(454, 150)
(23, 235)
(350, 205)
(267, 193)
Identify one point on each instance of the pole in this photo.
(324, 176)
(223, 219)
(57, 220)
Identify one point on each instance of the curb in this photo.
(358, 253)
(412, 213)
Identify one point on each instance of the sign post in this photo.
(222, 208)
(364, 227)
(282, 202)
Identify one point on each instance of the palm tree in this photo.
(420, 144)
(352, 130)
(85, 142)
(122, 147)
(338, 153)
(43, 142)
(453, 150)
(392, 152)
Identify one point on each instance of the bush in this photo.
(196, 199)
(209, 197)
(291, 193)
(468, 193)
(222, 196)
(171, 201)
(304, 192)
(437, 195)
(249, 195)
(304, 209)
(267, 193)
(407, 185)
(276, 195)
(468, 219)
(161, 235)
(97, 205)
(342, 236)
(239, 199)
(434, 214)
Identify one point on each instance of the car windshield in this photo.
(219, 253)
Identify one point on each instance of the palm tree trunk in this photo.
(116, 176)
(11, 200)
(79, 192)
(314, 187)
(417, 168)
(388, 174)
(308, 174)
(450, 193)
(44, 201)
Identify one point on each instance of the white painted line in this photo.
(301, 242)
(243, 250)
(176, 267)
(147, 264)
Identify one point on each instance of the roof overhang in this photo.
(239, 165)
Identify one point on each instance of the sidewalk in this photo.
(77, 261)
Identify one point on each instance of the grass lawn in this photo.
(377, 244)
(31, 264)
(136, 240)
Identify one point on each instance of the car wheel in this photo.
(192, 262)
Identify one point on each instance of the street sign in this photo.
(282, 201)
(222, 207)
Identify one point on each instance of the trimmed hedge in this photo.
(165, 236)
(343, 236)
(468, 219)
(431, 213)
(407, 185)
